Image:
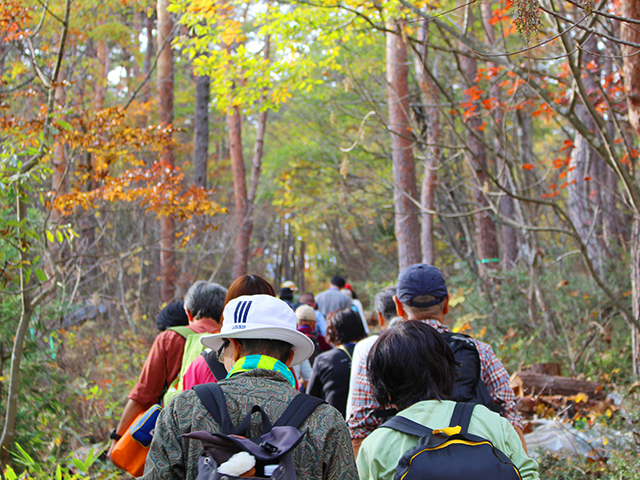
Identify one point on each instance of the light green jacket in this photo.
(381, 451)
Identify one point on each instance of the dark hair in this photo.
(307, 298)
(409, 363)
(338, 281)
(173, 315)
(205, 300)
(384, 303)
(259, 346)
(286, 293)
(344, 326)
(249, 285)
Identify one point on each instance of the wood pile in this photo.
(545, 395)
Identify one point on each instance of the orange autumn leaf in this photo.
(527, 166)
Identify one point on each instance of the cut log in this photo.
(536, 384)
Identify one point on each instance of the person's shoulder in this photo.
(325, 417)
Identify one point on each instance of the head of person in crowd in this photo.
(173, 315)
(205, 300)
(306, 316)
(347, 292)
(308, 298)
(344, 326)
(286, 294)
(259, 325)
(353, 295)
(338, 281)
(249, 285)
(410, 363)
(385, 306)
(422, 293)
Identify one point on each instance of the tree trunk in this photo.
(245, 200)
(631, 72)
(148, 57)
(539, 384)
(241, 257)
(165, 110)
(100, 86)
(486, 236)
(201, 132)
(430, 99)
(302, 284)
(508, 234)
(8, 430)
(404, 168)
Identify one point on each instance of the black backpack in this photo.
(469, 387)
(217, 369)
(271, 450)
(450, 454)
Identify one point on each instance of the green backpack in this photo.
(192, 349)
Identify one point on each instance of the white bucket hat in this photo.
(261, 317)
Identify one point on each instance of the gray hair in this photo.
(384, 303)
(205, 300)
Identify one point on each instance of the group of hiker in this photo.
(221, 397)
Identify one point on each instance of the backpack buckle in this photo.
(269, 448)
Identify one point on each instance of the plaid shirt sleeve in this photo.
(496, 378)
(363, 421)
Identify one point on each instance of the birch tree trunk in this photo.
(404, 168)
(631, 72)
(165, 110)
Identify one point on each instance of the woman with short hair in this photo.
(332, 369)
(412, 368)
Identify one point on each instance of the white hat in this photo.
(261, 317)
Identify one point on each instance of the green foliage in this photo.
(581, 330)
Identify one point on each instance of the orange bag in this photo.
(130, 452)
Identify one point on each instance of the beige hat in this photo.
(289, 284)
(306, 312)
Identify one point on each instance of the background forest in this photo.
(145, 146)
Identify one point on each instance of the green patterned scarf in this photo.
(251, 362)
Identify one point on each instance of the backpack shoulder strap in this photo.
(404, 425)
(182, 331)
(217, 369)
(298, 410)
(462, 416)
(212, 398)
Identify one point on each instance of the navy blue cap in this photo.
(421, 279)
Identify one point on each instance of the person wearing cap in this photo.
(332, 299)
(307, 325)
(258, 342)
(286, 295)
(422, 295)
(203, 305)
(321, 321)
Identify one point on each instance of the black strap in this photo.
(462, 416)
(298, 410)
(404, 425)
(217, 368)
(385, 413)
(244, 426)
(212, 398)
